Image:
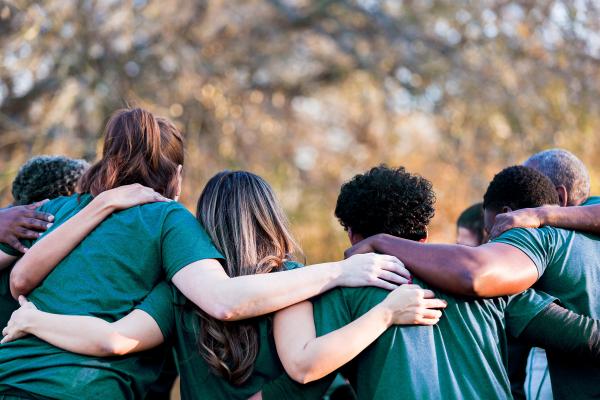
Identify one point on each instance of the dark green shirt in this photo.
(181, 326)
(568, 263)
(462, 357)
(107, 275)
(7, 303)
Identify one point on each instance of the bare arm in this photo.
(578, 218)
(307, 357)
(49, 251)
(83, 334)
(207, 285)
(493, 269)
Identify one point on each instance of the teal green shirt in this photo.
(568, 263)
(181, 326)
(107, 275)
(7, 303)
(592, 200)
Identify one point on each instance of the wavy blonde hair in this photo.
(248, 226)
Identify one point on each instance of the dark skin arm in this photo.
(490, 270)
(579, 218)
(22, 222)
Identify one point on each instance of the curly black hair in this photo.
(519, 187)
(47, 177)
(386, 200)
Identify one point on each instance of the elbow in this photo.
(19, 285)
(302, 373)
(223, 312)
(114, 345)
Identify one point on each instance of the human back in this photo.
(113, 269)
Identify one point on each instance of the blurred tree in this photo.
(308, 93)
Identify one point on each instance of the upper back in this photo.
(462, 357)
(114, 267)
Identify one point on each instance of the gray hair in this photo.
(564, 169)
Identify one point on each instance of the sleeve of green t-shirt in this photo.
(538, 244)
(286, 388)
(184, 241)
(159, 305)
(523, 307)
(592, 200)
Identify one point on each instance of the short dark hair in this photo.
(519, 187)
(47, 177)
(472, 219)
(386, 200)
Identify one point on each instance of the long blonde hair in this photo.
(248, 226)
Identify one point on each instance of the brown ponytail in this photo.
(138, 148)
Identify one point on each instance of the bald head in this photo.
(566, 171)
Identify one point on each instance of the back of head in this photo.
(47, 177)
(248, 226)
(138, 148)
(386, 200)
(519, 187)
(472, 220)
(564, 169)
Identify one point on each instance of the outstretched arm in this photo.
(45, 254)
(307, 357)
(558, 329)
(86, 335)
(206, 284)
(578, 218)
(493, 269)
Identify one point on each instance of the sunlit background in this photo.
(309, 93)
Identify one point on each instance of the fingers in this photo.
(427, 321)
(23, 233)
(38, 204)
(22, 300)
(434, 303)
(393, 278)
(428, 294)
(432, 314)
(384, 284)
(36, 223)
(16, 244)
(397, 267)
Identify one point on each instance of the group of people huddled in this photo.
(109, 287)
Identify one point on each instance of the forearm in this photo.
(490, 270)
(559, 329)
(43, 257)
(253, 295)
(450, 267)
(579, 218)
(325, 354)
(79, 334)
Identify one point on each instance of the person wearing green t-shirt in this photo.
(215, 359)
(512, 263)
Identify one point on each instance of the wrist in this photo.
(29, 318)
(543, 216)
(103, 204)
(335, 274)
(385, 313)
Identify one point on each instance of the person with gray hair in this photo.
(566, 171)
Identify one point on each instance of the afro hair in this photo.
(519, 187)
(386, 200)
(47, 177)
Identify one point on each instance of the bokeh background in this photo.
(309, 93)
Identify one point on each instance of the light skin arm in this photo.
(91, 336)
(490, 270)
(206, 284)
(578, 218)
(307, 357)
(49, 251)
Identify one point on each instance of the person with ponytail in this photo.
(108, 255)
(218, 359)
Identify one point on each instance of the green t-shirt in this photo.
(7, 303)
(568, 263)
(592, 200)
(181, 324)
(462, 357)
(107, 275)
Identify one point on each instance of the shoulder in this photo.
(290, 265)
(64, 202)
(592, 200)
